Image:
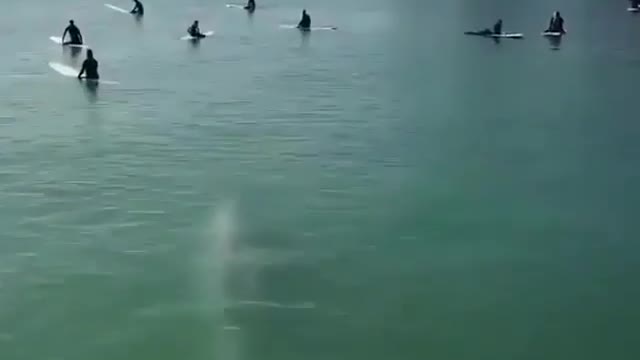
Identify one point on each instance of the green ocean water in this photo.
(390, 190)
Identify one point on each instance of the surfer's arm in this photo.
(65, 33)
(82, 71)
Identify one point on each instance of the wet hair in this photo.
(89, 53)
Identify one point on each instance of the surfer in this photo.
(635, 4)
(74, 34)
(305, 22)
(194, 30)
(89, 67)
(556, 24)
(138, 8)
(251, 5)
(497, 29)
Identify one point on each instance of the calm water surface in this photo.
(392, 190)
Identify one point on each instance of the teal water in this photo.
(392, 190)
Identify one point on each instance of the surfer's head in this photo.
(71, 22)
(89, 54)
(304, 11)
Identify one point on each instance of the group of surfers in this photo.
(556, 26)
(90, 65)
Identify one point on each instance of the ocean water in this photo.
(390, 190)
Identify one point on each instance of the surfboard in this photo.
(552, 34)
(508, 35)
(68, 71)
(497, 36)
(189, 37)
(633, 9)
(313, 28)
(115, 8)
(236, 6)
(58, 40)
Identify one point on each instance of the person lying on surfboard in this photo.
(251, 5)
(74, 34)
(89, 67)
(138, 9)
(194, 30)
(556, 24)
(497, 29)
(305, 22)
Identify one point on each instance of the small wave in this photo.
(27, 254)
(135, 252)
(271, 304)
(231, 328)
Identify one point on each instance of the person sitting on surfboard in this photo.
(305, 23)
(556, 24)
(138, 9)
(194, 30)
(74, 34)
(251, 5)
(89, 67)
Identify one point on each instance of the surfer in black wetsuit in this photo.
(556, 24)
(89, 67)
(194, 30)
(251, 5)
(635, 4)
(74, 34)
(138, 9)
(497, 29)
(305, 22)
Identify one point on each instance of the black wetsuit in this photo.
(74, 34)
(138, 9)
(90, 69)
(556, 25)
(635, 4)
(497, 28)
(194, 31)
(305, 23)
(251, 5)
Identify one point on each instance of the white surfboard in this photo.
(115, 8)
(313, 28)
(58, 40)
(189, 37)
(68, 71)
(552, 34)
(508, 35)
(235, 6)
(633, 9)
